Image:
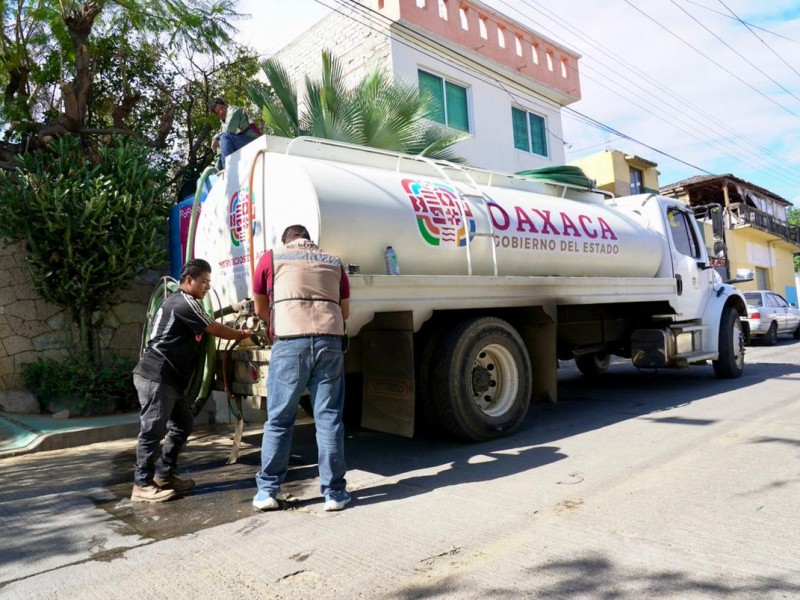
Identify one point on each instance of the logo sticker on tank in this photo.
(442, 218)
(241, 214)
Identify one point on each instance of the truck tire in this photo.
(593, 365)
(426, 421)
(481, 381)
(771, 337)
(730, 363)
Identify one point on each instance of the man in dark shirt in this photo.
(162, 375)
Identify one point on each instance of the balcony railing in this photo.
(741, 215)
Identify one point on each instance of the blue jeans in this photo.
(316, 363)
(230, 143)
(164, 409)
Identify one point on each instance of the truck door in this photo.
(692, 282)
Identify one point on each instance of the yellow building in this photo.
(760, 242)
(619, 173)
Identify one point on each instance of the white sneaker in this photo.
(336, 501)
(263, 501)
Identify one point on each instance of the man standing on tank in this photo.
(162, 375)
(304, 295)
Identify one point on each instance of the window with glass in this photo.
(683, 235)
(449, 100)
(637, 185)
(530, 134)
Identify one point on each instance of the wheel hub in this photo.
(481, 380)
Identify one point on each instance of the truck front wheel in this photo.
(730, 363)
(481, 380)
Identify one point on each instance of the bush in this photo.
(76, 384)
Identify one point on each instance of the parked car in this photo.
(769, 314)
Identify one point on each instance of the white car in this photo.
(769, 314)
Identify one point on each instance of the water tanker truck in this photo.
(501, 276)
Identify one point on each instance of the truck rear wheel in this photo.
(730, 363)
(593, 365)
(481, 383)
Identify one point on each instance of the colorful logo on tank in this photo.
(443, 219)
(241, 214)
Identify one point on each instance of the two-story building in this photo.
(759, 239)
(488, 75)
(620, 173)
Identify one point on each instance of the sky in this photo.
(697, 86)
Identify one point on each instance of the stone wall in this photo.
(360, 44)
(31, 328)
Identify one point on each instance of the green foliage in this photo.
(377, 112)
(77, 384)
(225, 78)
(89, 220)
(793, 217)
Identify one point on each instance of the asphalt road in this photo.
(667, 485)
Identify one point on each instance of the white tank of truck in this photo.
(439, 221)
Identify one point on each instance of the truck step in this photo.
(688, 328)
(692, 357)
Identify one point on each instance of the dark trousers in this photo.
(164, 410)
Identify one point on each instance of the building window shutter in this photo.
(457, 113)
(538, 135)
(520, 127)
(430, 84)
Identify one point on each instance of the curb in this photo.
(59, 440)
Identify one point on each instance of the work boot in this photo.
(151, 493)
(181, 486)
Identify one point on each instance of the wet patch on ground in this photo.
(223, 493)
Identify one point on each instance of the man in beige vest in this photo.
(304, 295)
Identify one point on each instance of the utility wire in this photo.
(775, 33)
(759, 39)
(729, 72)
(739, 54)
(741, 152)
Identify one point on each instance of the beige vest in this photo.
(305, 296)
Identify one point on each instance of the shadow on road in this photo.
(595, 576)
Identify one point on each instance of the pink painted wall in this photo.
(561, 73)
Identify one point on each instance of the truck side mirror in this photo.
(720, 251)
(717, 224)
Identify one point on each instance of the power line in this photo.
(750, 29)
(722, 14)
(734, 50)
(661, 98)
(729, 72)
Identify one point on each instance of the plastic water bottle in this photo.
(390, 258)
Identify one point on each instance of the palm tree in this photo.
(378, 112)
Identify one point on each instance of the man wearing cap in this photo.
(235, 132)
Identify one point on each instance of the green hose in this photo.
(208, 172)
(568, 174)
(199, 387)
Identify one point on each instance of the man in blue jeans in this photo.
(236, 130)
(304, 295)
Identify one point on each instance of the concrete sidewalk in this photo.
(22, 433)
